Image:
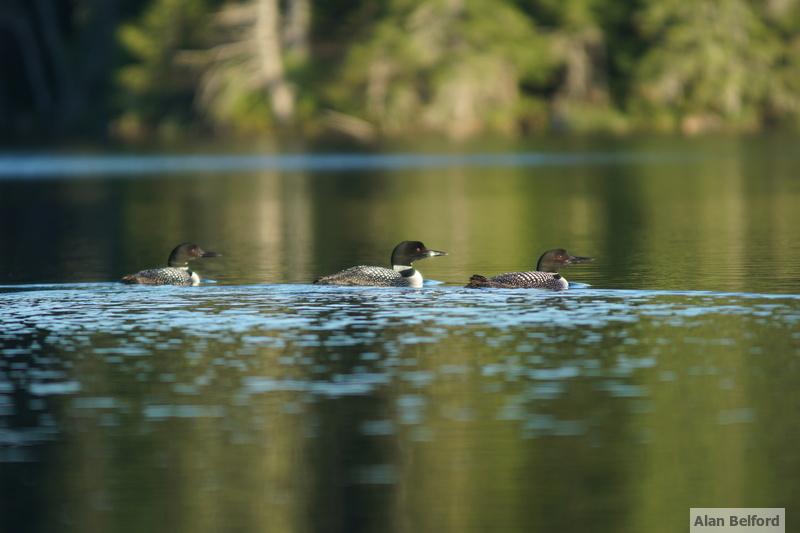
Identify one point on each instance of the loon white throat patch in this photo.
(413, 277)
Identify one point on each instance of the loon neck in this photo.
(410, 274)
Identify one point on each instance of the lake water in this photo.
(667, 378)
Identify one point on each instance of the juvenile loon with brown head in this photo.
(402, 274)
(546, 275)
(177, 272)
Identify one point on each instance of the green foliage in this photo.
(708, 62)
(444, 66)
(453, 68)
(580, 92)
(783, 99)
(156, 88)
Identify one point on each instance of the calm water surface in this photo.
(667, 379)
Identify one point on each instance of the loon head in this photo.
(187, 251)
(405, 253)
(552, 260)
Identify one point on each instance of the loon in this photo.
(546, 275)
(177, 273)
(402, 274)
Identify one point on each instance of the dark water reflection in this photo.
(723, 218)
(668, 380)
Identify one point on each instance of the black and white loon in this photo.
(177, 273)
(546, 275)
(402, 274)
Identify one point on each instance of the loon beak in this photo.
(576, 259)
(432, 253)
(425, 253)
(210, 254)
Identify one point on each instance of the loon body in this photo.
(177, 272)
(545, 276)
(402, 274)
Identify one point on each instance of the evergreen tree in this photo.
(157, 88)
(708, 63)
(454, 66)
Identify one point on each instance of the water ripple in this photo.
(215, 311)
(443, 355)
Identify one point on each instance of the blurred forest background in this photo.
(370, 69)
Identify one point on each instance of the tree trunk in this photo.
(98, 37)
(271, 60)
(66, 92)
(298, 25)
(19, 27)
